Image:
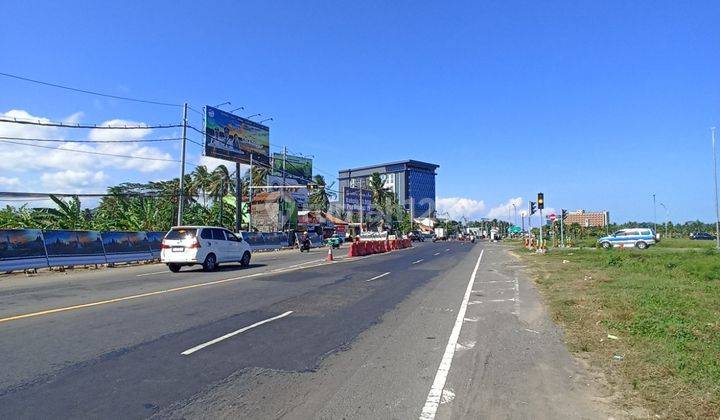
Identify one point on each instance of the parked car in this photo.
(205, 245)
(702, 236)
(640, 238)
(334, 241)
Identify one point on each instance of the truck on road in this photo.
(440, 234)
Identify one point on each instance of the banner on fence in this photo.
(22, 249)
(374, 236)
(74, 247)
(266, 241)
(126, 246)
(155, 240)
(315, 239)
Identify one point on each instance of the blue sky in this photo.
(597, 104)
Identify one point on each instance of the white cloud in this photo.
(9, 182)
(25, 158)
(457, 207)
(211, 163)
(503, 210)
(71, 181)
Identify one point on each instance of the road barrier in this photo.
(23, 249)
(361, 248)
(266, 240)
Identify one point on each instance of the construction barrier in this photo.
(361, 248)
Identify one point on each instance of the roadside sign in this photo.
(552, 217)
(515, 229)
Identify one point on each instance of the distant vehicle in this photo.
(640, 238)
(205, 245)
(702, 236)
(440, 234)
(416, 236)
(334, 241)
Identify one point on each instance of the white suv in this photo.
(206, 245)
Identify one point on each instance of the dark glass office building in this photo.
(412, 182)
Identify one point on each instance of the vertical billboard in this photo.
(234, 138)
(298, 171)
(352, 202)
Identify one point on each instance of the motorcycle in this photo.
(305, 245)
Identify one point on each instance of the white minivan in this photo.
(206, 245)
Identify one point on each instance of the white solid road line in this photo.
(378, 277)
(419, 261)
(234, 333)
(433, 399)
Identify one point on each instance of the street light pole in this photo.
(717, 210)
(667, 216)
(654, 214)
(515, 213)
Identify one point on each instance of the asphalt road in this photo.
(444, 330)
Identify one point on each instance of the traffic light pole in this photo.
(540, 242)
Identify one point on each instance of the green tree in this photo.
(68, 214)
(320, 198)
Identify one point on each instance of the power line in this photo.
(104, 127)
(91, 141)
(89, 92)
(36, 195)
(89, 152)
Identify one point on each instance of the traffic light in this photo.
(563, 214)
(541, 201)
(532, 208)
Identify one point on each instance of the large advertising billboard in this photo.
(295, 167)
(234, 138)
(74, 247)
(351, 199)
(21, 249)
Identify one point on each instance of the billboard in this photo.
(351, 199)
(126, 246)
(73, 247)
(21, 249)
(300, 195)
(234, 138)
(297, 167)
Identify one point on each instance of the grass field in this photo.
(663, 305)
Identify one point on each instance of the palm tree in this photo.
(200, 181)
(320, 197)
(380, 194)
(220, 185)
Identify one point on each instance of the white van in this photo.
(206, 245)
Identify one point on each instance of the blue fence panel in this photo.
(315, 239)
(22, 249)
(73, 247)
(126, 246)
(155, 240)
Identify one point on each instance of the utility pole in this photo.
(667, 216)
(250, 193)
(238, 198)
(514, 214)
(181, 194)
(562, 228)
(282, 192)
(717, 210)
(362, 205)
